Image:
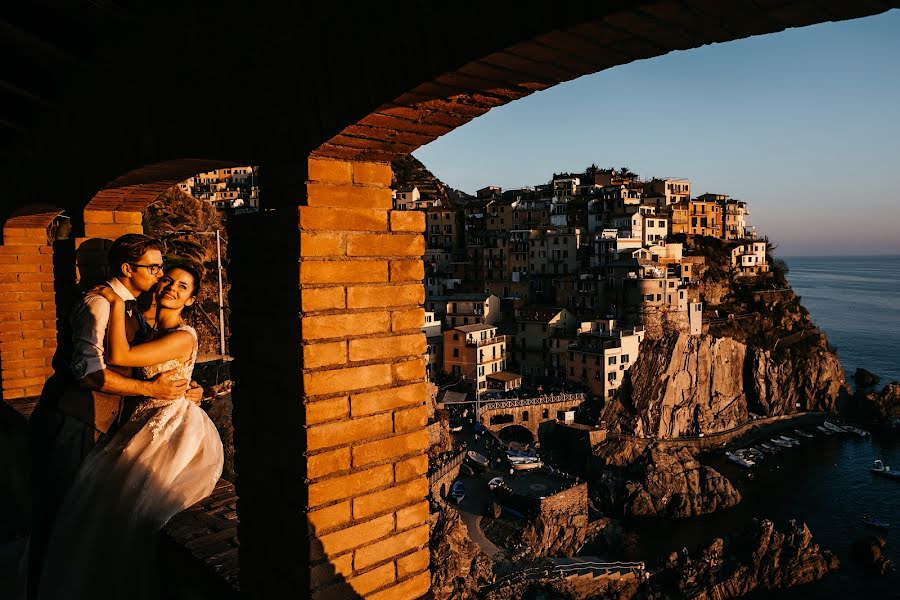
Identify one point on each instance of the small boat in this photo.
(741, 461)
(833, 427)
(756, 453)
(521, 453)
(526, 466)
(769, 449)
(802, 433)
(883, 525)
(781, 442)
(522, 460)
(478, 459)
(791, 441)
(495, 483)
(881, 469)
(824, 430)
(857, 430)
(458, 491)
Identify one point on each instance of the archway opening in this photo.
(516, 433)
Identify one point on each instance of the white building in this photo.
(750, 258)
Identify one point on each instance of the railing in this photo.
(518, 402)
(494, 340)
(445, 468)
(561, 571)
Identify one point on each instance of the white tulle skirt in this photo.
(105, 540)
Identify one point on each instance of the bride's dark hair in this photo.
(196, 270)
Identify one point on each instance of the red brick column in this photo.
(111, 213)
(355, 431)
(27, 305)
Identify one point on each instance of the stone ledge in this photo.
(199, 548)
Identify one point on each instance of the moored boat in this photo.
(781, 442)
(769, 449)
(458, 491)
(478, 459)
(741, 461)
(824, 430)
(802, 433)
(526, 466)
(883, 470)
(833, 427)
(857, 430)
(790, 440)
(883, 525)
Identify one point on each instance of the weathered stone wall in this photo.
(573, 500)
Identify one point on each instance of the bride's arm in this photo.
(120, 352)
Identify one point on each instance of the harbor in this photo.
(824, 481)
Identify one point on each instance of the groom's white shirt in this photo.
(89, 321)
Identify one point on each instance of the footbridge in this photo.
(529, 413)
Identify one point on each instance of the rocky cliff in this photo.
(663, 483)
(761, 558)
(883, 406)
(459, 568)
(684, 385)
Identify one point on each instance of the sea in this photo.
(825, 482)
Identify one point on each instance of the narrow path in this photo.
(473, 525)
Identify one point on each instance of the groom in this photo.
(82, 403)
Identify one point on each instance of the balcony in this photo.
(490, 341)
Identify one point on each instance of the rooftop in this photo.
(467, 297)
(504, 376)
(538, 315)
(474, 328)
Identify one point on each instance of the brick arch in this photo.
(336, 450)
(604, 37)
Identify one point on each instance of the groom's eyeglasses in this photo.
(151, 269)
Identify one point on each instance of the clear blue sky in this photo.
(802, 124)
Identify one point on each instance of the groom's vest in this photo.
(99, 410)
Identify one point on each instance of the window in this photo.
(572, 371)
(456, 353)
(611, 360)
(625, 358)
(524, 416)
(612, 376)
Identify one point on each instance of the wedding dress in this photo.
(167, 457)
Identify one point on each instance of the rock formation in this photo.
(558, 525)
(684, 385)
(458, 566)
(675, 484)
(865, 379)
(664, 483)
(761, 558)
(869, 552)
(883, 406)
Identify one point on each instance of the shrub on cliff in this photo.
(177, 218)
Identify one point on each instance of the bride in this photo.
(167, 457)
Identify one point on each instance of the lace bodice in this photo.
(184, 369)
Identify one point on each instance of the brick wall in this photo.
(27, 304)
(340, 399)
(111, 213)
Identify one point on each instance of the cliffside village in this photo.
(560, 283)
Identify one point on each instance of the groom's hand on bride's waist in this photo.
(163, 387)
